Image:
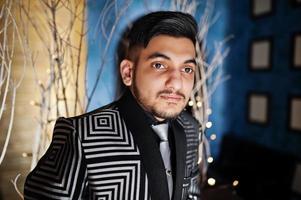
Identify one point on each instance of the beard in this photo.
(157, 109)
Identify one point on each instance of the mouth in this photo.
(172, 98)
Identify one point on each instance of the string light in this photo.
(190, 103)
(25, 155)
(55, 56)
(198, 98)
(209, 111)
(209, 159)
(235, 183)
(211, 181)
(34, 103)
(213, 136)
(208, 124)
(199, 104)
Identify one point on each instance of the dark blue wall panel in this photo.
(230, 104)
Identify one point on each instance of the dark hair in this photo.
(170, 23)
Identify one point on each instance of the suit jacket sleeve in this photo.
(61, 172)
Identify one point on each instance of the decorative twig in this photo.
(14, 182)
(64, 62)
(7, 46)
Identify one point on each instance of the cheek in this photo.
(150, 87)
(144, 84)
(147, 82)
(188, 84)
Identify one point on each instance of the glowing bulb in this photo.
(199, 104)
(198, 98)
(212, 137)
(33, 103)
(211, 181)
(190, 103)
(210, 159)
(235, 183)
(209, 124)
(25, 155)
(209, 111)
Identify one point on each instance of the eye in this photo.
(188, 70)
(158, 65)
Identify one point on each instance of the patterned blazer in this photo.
(111, 153)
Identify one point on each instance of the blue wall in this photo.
(230, 102)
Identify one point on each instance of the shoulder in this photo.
(112, 107)
(74, 123)
(98, 120)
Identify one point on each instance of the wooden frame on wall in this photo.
(296, 51)
(258, 108)
(260, 54)
(294, 113)
(262, 8)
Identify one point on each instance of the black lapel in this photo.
(144, 137)
(180, 147)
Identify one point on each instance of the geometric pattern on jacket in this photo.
(97, 156)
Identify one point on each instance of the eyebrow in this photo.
(161, 55)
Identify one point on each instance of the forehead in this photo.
(178, 46)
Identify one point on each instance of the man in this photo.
(116, 152)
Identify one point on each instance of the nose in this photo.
(174, 80)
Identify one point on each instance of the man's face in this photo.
(163, 76)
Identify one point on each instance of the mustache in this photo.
(168, 91)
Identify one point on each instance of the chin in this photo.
(173, 108)
(167, 113)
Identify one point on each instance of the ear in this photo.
(126, 71)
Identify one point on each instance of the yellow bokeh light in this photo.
(235, 183)
(209, 124)
(211, 181)
(212, 136)
(209, 111)
(210, 159)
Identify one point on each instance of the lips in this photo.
(172, 98)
